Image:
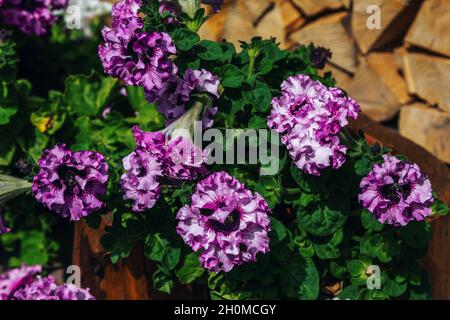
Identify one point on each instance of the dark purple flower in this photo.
(216, 4)
(310, 117)
(14, 279)
(157, 155)
(319, 56)
(138, 58)
(3, 227)
(167, 6)
(396, 192)
(174, 97)
(33, 17)
(226, 221)
(71, 183)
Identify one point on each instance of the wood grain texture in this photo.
(314, 7)
(129, 279)
(395, 17)
(379, 87)
(428, 77)
(428, 127)
(331, 32)
(431, 27)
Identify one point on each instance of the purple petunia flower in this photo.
(225, 220)
(157, 155)
(71, 183)
(3, 227)
(46, 289)
(140, 181)
(25, 284)
(173, 98)
(125, 9)
(310, 116)
(14, 279)
(138, 58)
(31, 17)
(396, 192)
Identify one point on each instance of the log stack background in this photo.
(400, 73)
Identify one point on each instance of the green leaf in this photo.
(257, 122)
(278, 232)
(184, 39)
(356, 268)
(116, 244)
(416, 234)
(324, 218)
(369, 222)
(162, 281)
(300, 279)
(88, 95)
(395, 289)
(6, 114)
(190, 269)
(260, 97)
(209, 50)
(231, 76)
(159, 249)
(363, 166)
(338, 271)
(381, 246)
(329, 249)
(7, 148)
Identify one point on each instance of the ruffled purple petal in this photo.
(225, 220)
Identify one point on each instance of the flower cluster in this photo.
(310, 117)
(138, 58)
(25, 284)
(227, 221)
(396, 192)
(71, 183)
(173, 98)
(157, 155)
(31, 17)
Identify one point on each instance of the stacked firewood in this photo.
(398, 70)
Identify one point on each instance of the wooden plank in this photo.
(378, 87)
(395, 17)
(428, 77)
(213, 27)
(431, 27)
(238, 26)
(428, 127)
(331, 32)
(272, 25)
(292, 18)
(125, 280)
(257, 9)
(384, 64)
(312, 8)
(129, 279)
(343, 79)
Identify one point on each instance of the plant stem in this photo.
(292, 191)
(251, 67)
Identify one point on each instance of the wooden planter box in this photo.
(131, 278)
